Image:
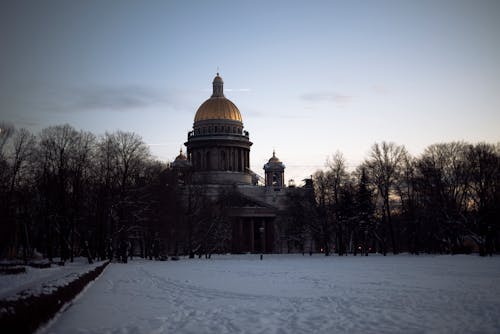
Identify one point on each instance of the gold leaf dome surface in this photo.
(218, 108)
(274, 158)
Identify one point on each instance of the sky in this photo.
(310, 78)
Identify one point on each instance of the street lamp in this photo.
(261, 230)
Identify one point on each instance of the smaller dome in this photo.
(274, 163)
(181, 162)
(181, 156)
(274, 158)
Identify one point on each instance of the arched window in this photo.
(276, 180)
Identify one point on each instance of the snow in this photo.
(36, 280)
(291, 294)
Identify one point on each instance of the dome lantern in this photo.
(218, 86)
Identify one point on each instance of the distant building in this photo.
(218, 157)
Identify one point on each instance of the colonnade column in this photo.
(247, 158)
(242, 159)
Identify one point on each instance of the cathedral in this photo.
(218, 157)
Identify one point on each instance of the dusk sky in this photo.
(309, 77)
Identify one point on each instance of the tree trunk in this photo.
(391, 227)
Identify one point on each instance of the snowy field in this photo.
(291, 294)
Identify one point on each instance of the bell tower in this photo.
(275, 173)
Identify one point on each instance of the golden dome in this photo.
(181, 156)
(274, 164)
(274, 158)
(217, 106)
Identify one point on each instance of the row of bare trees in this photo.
(445, 200)
(66, 193)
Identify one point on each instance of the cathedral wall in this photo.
(276, 197)
(225, 177)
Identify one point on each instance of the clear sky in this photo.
(309, 77)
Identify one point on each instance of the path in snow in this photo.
(292, 294)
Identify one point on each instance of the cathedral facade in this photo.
(218, 158)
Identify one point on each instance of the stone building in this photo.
(218, 157)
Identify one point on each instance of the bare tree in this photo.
(322, 227)
(122, 158)
(6, 131)
(105, 192)
(484, 171)
(22, 149)
(131, 151)
(384, 168)
(55, 151)
(337, 179)
(406, 189)
(80, 166)
(18, 158)
(444, 187)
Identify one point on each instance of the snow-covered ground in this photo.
(292, 294)
(37, 280)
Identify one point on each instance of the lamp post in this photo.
(261, 230)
